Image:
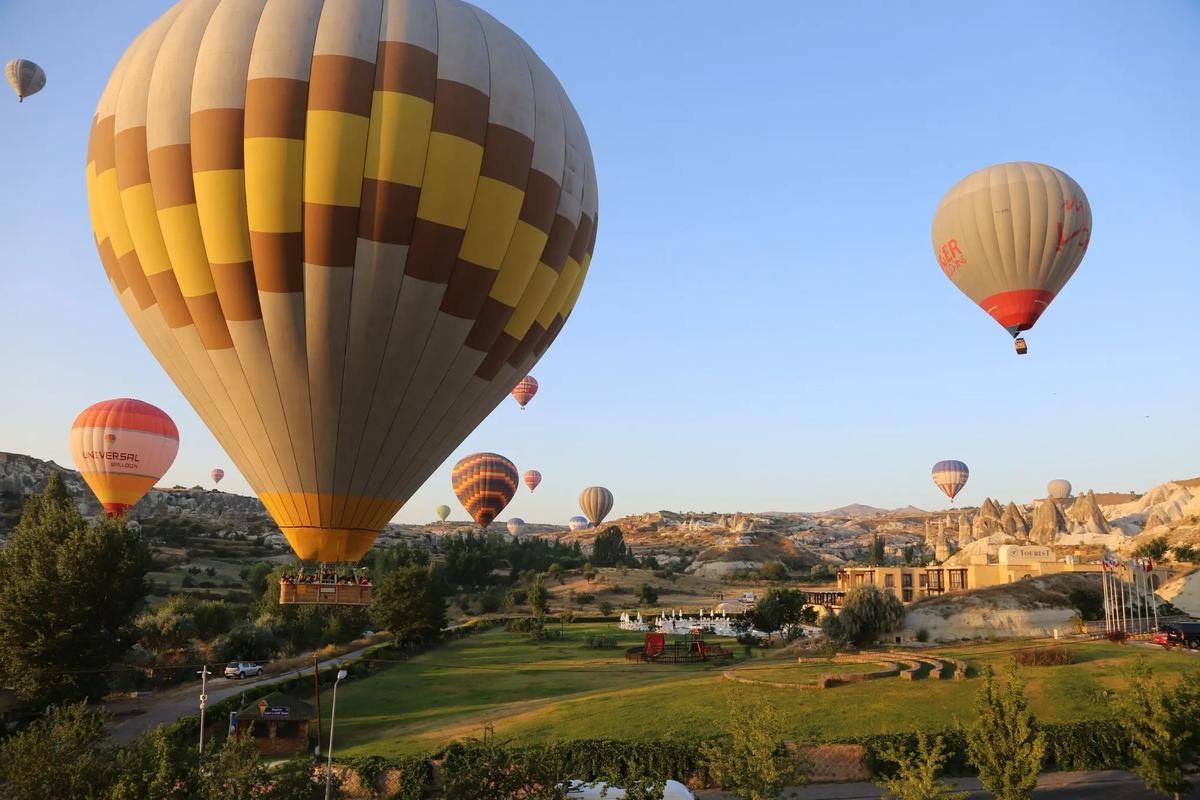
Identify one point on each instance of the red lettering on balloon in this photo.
(1082, 232)
(951, 257)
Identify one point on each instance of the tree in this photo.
(59, 756)
(866, 614)
(537, 595)
(609, 549)
(256, 576)
(1156, 548)
(411, 603)
(917, 771)
(236, 770)
(780, 608)
(556, 572)
(1161, 725)
(606, 607)
(910, 554)
(755, 764)
(875, 554)
(647, 594)
(71, 590)
(773, 571)
(154, 767)
(1004, 745)
(1185, 553)
(589, 572)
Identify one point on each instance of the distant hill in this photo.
(858, 510)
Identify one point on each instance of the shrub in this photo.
(1044, 657)
(606, 608)
(1005, 745)
(755, 764)
(922, 635)
(917, 770)
(1156, 548)
(647, 595)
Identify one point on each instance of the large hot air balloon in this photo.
(484, 483)
(950, 476)
(595, 502)
(524, 391)
(532, 478)
(516, 526)
(122, 447)
(442, 512)
(346, 230)
(25, 77)
(1010, 236)
(1059, 489)
(577, 523)
(216, 475)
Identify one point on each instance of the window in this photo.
(906, 580)
(923, 581)
(907, 593)
(958, 579)
(889, 581)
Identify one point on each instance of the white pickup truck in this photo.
(242, 669)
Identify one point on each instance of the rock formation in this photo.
(1085, 516)
(1048, 523)
(964, 529)
(987, 520)
(1013, 521)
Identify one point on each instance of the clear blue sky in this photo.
(764, 326)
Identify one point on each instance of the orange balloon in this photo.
(122, 447)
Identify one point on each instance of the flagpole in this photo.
(1104, 592)
(1108, 601)
(1121, 588)
(1153, 597)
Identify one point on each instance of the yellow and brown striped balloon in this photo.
(346, 229)
(484, 483)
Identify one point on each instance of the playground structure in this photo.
(691, 649)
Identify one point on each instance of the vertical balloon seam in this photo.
(356, 483)
(149, 225)
(281, 478)
(522, 366)
(420, 415)
(475, 407)
(444, 66)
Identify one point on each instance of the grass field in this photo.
(561, 690)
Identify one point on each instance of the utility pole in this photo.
(317, 689)
(204, 673)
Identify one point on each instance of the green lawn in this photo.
(562, 690)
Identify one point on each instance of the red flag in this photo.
(1149, 565)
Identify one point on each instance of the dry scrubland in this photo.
(562, 690)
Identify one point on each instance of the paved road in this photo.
(164, 707)
(1107, 785)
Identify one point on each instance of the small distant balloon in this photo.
(1059, 489)
(516, 526)
(25, 77)
(484, 483)
(532, 478)
(595, 502)
(442, 512)
(525, 390)
(950, 476)
(122, 447)
(217, 474)
(577, 523)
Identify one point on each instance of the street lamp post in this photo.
(204, 673)
(332, 715)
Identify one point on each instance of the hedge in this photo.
(1070, 746)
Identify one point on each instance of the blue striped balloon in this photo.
(950, 476)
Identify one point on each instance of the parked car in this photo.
(1178, 634)
(242, 669)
